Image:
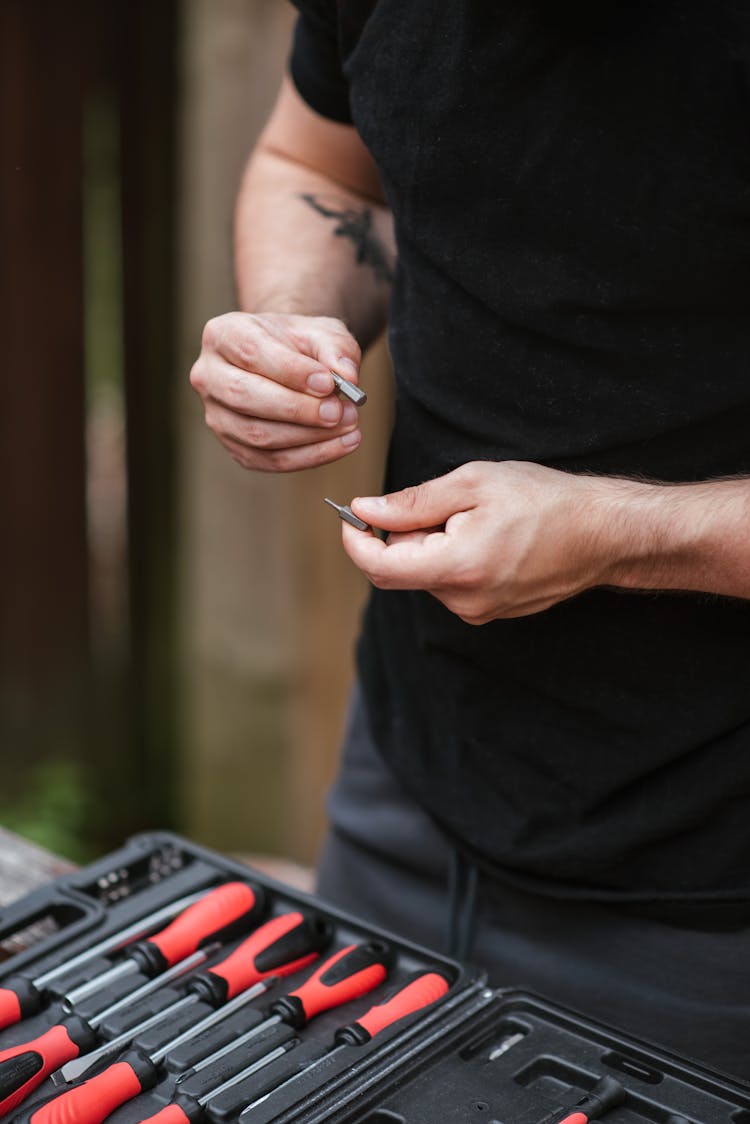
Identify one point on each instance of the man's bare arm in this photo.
(314, 258)
(510, 539)
(313, 235)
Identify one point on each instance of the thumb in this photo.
(427, 505)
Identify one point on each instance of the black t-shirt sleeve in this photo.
(315, 62)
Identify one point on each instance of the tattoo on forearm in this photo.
(357, 227)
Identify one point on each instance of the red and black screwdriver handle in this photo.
(423, 989)
(349, 973)
(420, 990)
(279, 947)
(605, 1095)
(346, 975)
(24, 1067)
(95, 1098)
(19, 998)
(222, 914)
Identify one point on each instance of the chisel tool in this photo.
(352, 972)
(279, 947)
(228, 908)
(421, 991)
(21, 997)
(605, 1095)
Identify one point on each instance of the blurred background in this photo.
(176, 634)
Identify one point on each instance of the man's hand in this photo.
(506, 540)
(267, 390)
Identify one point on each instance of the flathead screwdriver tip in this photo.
(346, 513)
(350, 390)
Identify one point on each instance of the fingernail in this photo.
(321, 382)
(372, 503)
(330, 410)
(345, 366)
(349, 414)
(351, 440)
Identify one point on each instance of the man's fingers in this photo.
(334, 347)
(255, 396)
(297, 351)
(244, 342)
(295, 459)
(409, 562)
(426, 505)
(262, 433)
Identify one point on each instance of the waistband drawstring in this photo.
(462, 906)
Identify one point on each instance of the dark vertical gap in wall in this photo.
(44, 666)
(146, 77)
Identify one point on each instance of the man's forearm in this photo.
(305, 244)
(686, 536)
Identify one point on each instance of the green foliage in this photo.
(54, 810)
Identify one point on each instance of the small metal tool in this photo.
(349, 390)
(506, 1044)
(346, 513)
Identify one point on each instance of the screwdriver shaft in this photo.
(117, 940)
(155, 984)
(241, 1041)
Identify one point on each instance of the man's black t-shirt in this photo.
(572, 208)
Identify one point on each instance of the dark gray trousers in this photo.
(681, 984)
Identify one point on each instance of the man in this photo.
(563, 202)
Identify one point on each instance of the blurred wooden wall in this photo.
(269, 603)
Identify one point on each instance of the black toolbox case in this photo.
(476, 1055)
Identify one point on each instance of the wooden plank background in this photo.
(269, 603)
(190, 668)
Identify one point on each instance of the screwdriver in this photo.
(24, 1067)
(133, 1073)
(230, 907)
(279, 948)
(346, 975)
(186, 1108)
(420, 991)
(352, 972)
(21, 997)
(605, 1095)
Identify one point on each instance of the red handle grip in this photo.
(91, 1102)
(423, 991)
(24, 1067)
(18, 999)
(220, 908)
(172, 1114)
(348, 974)
(10, 1007)
(279, 948)
(575, 1118)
